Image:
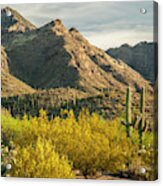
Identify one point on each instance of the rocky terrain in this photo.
(12, 21)
(50, 60)
(141, 57)
(73, 109)
(53, 56)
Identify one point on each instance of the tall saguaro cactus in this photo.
(140, 122)
(142, 104)
(143, 122)
(128, 111)
(129, 122)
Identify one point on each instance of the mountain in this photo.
(10, 85)
(13, 25)
(53, 56)
(141, 57)
(12, 21)
(67, 69)
(4, 60)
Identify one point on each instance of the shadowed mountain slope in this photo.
(141, 57)
(53, 56)
(10, 85)
(59, 59)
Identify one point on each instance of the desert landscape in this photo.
(73, 110)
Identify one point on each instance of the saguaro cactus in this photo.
(142, 104)
(128, 111)
(128, 122)
(140, 122)
(142, 125)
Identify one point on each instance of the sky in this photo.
(104, 24)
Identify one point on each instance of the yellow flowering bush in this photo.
(53, 148)
(40, 161)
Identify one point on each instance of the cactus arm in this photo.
(137, 120)
(145, 126)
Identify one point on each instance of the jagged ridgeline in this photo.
(54, 57)
(12, 21)
(142, 57)
(88, 106)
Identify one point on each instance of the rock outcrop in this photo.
(53, 56)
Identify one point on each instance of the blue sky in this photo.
(104, 24)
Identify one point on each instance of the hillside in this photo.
(12, 21)
(141, 57)
(4, 60)
(56, 58)
(13, 25)
(10, 85)
(69, 109)
(53, 56)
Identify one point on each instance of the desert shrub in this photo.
(13, 129)
(148, 156)
(6, 157)
(90, 142)
(39, 160)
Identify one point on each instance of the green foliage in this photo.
(40, 160)
(90, 142)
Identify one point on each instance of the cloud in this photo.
(109, 40)
(103, 23)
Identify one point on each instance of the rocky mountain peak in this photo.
(53, 56)
(73, 30)
(7, 8)
(58, 22)
(56, 26)
(140, 57)
(12, 21)
(8, 11)
(126, 45)
(78, 36)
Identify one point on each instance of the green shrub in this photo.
(90, 142)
